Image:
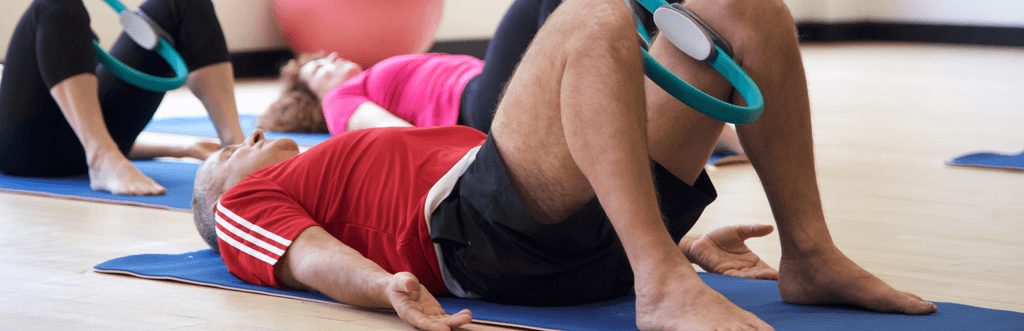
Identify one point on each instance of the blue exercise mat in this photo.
(177, 177)
(721, 158)
(990, 160)
(203, 126)
(757, 296)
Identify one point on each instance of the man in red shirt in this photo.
(560, 203)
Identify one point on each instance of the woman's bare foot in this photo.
(829, 277)
(119, 176)
(682, 301)
(201, 150)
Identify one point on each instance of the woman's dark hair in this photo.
(298, 109)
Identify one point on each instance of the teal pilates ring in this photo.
(704, 103)
(145, 32)
(698, 40)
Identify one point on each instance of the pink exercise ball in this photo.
(361, 31)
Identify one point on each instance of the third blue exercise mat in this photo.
(756, 296)
(203, 126)
(990, 160)
(177, 177)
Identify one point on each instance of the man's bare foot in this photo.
(119, 176)
(201, 150)
(682, 301)
(830, 277)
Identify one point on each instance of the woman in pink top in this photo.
(330, 94)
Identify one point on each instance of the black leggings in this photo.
(506, 48)
(53, 42)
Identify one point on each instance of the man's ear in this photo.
(213, 206)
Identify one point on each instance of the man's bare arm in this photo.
(723, 251)
(318, 261)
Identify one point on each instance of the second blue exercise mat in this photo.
(990, 160)
(177, 177)
(757, 296)
(203, 126)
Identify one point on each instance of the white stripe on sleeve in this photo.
(249, 237)
(253, 227)
(244, 248)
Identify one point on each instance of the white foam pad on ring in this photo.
(683, 32)
(138, 29)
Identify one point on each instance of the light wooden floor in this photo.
(885, 115)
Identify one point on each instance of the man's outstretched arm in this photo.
(318, 261)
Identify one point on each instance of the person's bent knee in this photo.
(756, 14)
(597, 26)
(67, 14)
(204, 5)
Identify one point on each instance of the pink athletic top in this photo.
(422, 89)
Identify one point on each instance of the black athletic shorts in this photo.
(493, 248)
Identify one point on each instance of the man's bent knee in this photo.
(745, 15)
(599, 21)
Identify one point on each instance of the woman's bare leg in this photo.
(109, 169)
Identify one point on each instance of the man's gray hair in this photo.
(207, 190)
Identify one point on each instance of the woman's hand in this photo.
(418, 307)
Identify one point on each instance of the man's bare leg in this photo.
(779, 146)
(571, 126)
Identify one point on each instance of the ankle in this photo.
(669, 275)
(806, 243)
(100, 158)
(804, 252)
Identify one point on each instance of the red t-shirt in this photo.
(422, 89)
(367, 188)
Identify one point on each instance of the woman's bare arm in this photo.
(370, 115)
(214, 86)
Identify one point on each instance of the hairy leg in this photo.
(572, 126)
(779, 146)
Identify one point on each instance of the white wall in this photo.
(1003, 13)
(249, 24)
(471, 19)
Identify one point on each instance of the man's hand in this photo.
(418, 307)
(722, 251)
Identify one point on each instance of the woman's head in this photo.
(325, 73)
(305, 80)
